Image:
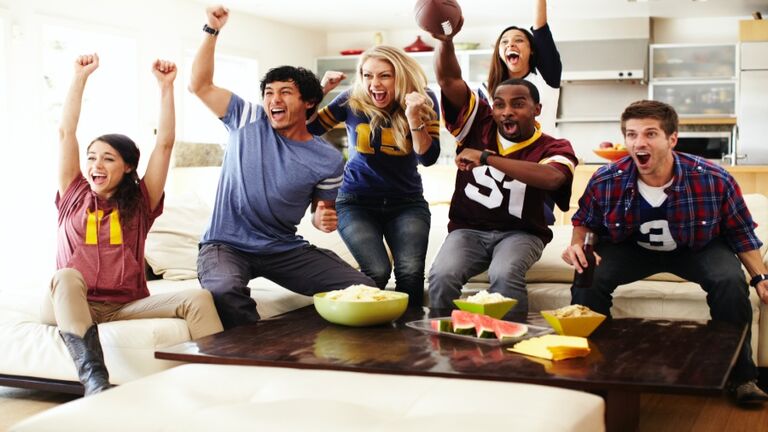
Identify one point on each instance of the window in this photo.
(110, 102)
(4, 54)
(237, 74)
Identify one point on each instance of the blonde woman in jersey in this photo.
(392, 127)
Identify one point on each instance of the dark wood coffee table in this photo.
(629, 356)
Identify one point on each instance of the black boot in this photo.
(89, 360)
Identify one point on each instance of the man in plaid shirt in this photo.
(658, 210)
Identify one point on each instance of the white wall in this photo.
(162, 28)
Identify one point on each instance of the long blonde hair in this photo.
(409, 77)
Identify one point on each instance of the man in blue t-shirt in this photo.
(273, 169)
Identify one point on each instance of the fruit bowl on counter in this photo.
(611, 151)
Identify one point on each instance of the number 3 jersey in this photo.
(487, 199)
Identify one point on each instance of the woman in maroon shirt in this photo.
(105, 212)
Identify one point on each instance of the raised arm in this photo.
(201, 84)
(331, 80)
(448, 71)
(418, 119)
(69, 163)
(160, 159)
(540, 17)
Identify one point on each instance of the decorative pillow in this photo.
(438, 182)
(171, 247)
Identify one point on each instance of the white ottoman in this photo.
(196, 397)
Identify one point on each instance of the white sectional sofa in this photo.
(34, 356)
(197, 397)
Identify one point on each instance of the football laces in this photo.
(447, 27)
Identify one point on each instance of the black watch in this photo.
(484, 157)
(757, 279)
(210, 30)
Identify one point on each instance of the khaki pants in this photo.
(69, 308)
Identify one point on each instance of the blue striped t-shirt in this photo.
(267, 182)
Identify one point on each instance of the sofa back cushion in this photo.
(172, 243)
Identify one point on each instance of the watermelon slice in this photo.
(484, 326)
(442, 325)
(463, 322)
(508, 329)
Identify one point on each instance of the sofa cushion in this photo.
(36, 350)
(171, 246)
(172, 243)
(197, 397)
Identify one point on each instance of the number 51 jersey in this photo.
(487, 199)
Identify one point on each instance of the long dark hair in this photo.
(127, 195)
(498, 71)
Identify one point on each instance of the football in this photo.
(437, 16)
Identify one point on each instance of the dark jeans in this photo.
(715, 267)
(308, 270)
(366, 222)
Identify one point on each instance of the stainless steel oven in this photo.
(707, 144)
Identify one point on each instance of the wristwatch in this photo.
(484, 157)
(757, 279)
(210, 30)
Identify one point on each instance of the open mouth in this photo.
(643, 157)
(512, 57)
(378, 96)
(277, 113)
(509, 128)
(98, 179)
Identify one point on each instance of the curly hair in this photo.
(127, 195)
(309, 86)
(409, 77)
(498, 71)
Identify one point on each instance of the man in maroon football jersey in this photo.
(507, 168)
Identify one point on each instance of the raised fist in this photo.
(164, 71)
(217, 16)
(86, 64)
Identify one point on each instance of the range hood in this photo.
(592, 60)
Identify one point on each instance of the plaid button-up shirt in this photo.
(704, 202)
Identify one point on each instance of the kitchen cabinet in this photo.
(697, 80)
(752, 106)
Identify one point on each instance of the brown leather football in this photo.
(437, 16)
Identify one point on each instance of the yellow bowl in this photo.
(493, 310)
(574, 326)
(610, 154)
(361, 313)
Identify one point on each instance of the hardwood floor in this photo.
(658, 413)
(18, 404)
(673, 413)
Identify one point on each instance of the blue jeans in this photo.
(506, 255)
(366, 222)
(715, 267)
